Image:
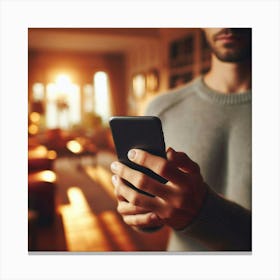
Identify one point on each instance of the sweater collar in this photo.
(215, 97)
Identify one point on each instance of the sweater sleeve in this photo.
(221, 225)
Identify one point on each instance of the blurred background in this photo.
(77, 79)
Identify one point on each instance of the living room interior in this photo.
(77, 79)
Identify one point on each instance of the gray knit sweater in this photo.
(214, 129)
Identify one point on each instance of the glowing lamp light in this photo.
(35, 117)
(48, 176)
(33, 129)
(52, 154)
(139, 85)
(74, 146)
(41, 150)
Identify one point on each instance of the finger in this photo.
(173, 194)
(143, 220)
(182, 161)
(126, 208)
(142, 181)
(136, 198)
(118, 196)
(159, 165)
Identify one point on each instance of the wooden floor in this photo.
(87, 220)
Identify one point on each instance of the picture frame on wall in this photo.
(152, 81)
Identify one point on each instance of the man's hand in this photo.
(176, 203)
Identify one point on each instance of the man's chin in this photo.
(233, 57)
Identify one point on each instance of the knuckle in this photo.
(147, 220)
(135, 199)
(179, 198)
(196, 167)
(142, 181)
(168, 213)
(180, 202)
(163, 167)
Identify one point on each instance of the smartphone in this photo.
(143, 133)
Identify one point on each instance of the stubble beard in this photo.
(232, 55)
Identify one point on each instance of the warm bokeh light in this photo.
(152, 81)
(139, 85)
(48, 176)
(74, 146)
(39, 151)
(33, 129)
(35, 117)
(52, 154)
(43, 176)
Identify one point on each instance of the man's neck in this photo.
(228, 78)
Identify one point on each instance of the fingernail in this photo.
(114, 166)
(131, 154)
(114, 179)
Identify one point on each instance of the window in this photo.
(63, 103)
(102, 100)
(38, 92)
(37, 104)
(88, 98)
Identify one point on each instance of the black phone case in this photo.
(143, 133)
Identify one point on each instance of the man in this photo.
(207, 199)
